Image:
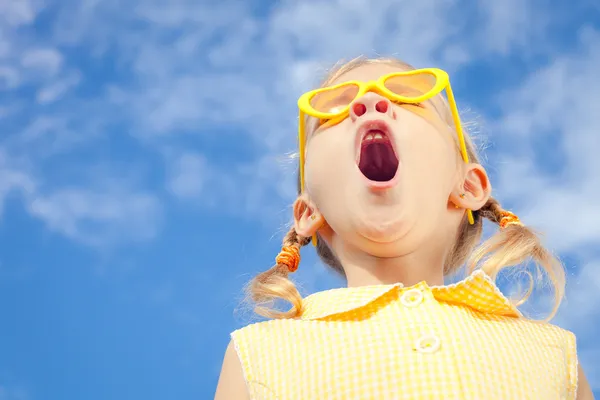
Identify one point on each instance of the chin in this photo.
(381, 229)
(387, 249)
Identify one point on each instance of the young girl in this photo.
(393, 196)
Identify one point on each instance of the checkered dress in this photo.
(461, 341)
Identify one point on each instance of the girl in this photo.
(393, 196)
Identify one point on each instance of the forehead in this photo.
(368, 72)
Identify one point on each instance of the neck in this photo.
(363, 269)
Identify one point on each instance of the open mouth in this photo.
(377, 160)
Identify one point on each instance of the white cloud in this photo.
(580, 311)
(12, 180)
(45, 60)
(238, 190)
(55, 90)
(51, 134)
(248, 71)
(556, 105)
(4, 47)
(512, 23)
(98, 217)
(330, 30)
(9, 78)
(100, 212)
(180, 12)
(188, 175)
(21, 61)
(17, 12)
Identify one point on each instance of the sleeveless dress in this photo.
(461, 341)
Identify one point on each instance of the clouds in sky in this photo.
(183, 73)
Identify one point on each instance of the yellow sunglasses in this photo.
(333, 103)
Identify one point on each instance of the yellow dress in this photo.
(461, 341)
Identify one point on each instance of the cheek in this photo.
(430, 159)
(328, 160)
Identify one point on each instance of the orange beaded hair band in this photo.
(509, 218)
(289, 256)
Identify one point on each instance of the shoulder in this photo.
(547, 334)
(254, 339)
(584, 391)
(553, 336)
(543, 330)
(579, 387)
(258, 330)
(232, 383)
(248, 354)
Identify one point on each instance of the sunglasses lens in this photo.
(411, 86)
(332, 101)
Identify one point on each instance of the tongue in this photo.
(378, 161)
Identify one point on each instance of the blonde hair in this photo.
(511, 246)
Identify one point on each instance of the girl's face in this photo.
(382, 178)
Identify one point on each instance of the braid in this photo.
(289, 258)
(495, 213)
(292, 238)
(274, 283)
(492, 211)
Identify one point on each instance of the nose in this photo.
(371, 103)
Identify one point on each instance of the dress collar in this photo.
(476, 291)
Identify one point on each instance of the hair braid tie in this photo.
(508, 218)
(290, 257)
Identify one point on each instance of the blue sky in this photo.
(145, 172)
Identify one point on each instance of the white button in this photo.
(412, 298)
(428, 344)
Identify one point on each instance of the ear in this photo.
(474, 191)
(307, 219)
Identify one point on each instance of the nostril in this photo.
(382, 106)
(359, 109)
